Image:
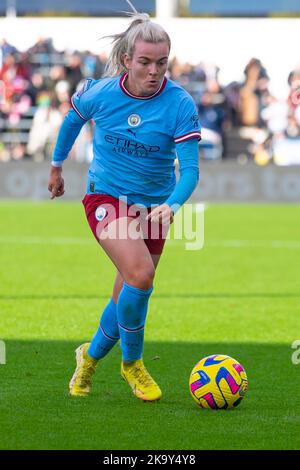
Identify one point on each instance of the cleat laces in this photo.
(85, 373)
(143, 376)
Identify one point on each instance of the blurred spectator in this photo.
(36, 85)
(56, 74)
(8, 74)
(293, 127)
(254, 98)
(253, 93)
(238, 119)
(212, 114)
(286, 141)
(23, 66)
(5, 49)
(74, 73)
(45, 126)
(42, 46)
(92, 65)
(232, 98)
(62, 90)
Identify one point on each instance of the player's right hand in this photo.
(56, 184)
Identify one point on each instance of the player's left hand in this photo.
(162, 214)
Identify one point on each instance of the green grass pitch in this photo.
(240, 296)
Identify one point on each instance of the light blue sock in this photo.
(107, 334)
(131, 314)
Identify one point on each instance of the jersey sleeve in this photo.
(83, 101)
(68, 132)
(187, 125)
(188, 158)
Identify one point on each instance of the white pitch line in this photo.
(254, 243)
(288, 244)
(44, 240)
(28, 240)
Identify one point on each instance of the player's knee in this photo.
(141, 276)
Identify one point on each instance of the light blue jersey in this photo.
(136, 138)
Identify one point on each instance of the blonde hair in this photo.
(140, 28)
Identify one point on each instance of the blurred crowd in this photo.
(241, 120)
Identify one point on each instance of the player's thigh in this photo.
(129, 254)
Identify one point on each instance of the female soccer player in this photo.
(143, 121)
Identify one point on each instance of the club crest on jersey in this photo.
(100, 213)
(134, 120)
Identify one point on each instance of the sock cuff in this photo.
(137, 290)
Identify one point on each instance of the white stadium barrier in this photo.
(219, 182)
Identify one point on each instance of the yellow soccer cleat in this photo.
(81, 382)
(140, 381)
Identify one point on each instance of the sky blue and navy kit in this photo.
(136, 141)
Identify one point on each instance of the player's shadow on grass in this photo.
(37, 412)
(43, 365)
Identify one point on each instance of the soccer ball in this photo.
(218, 382)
